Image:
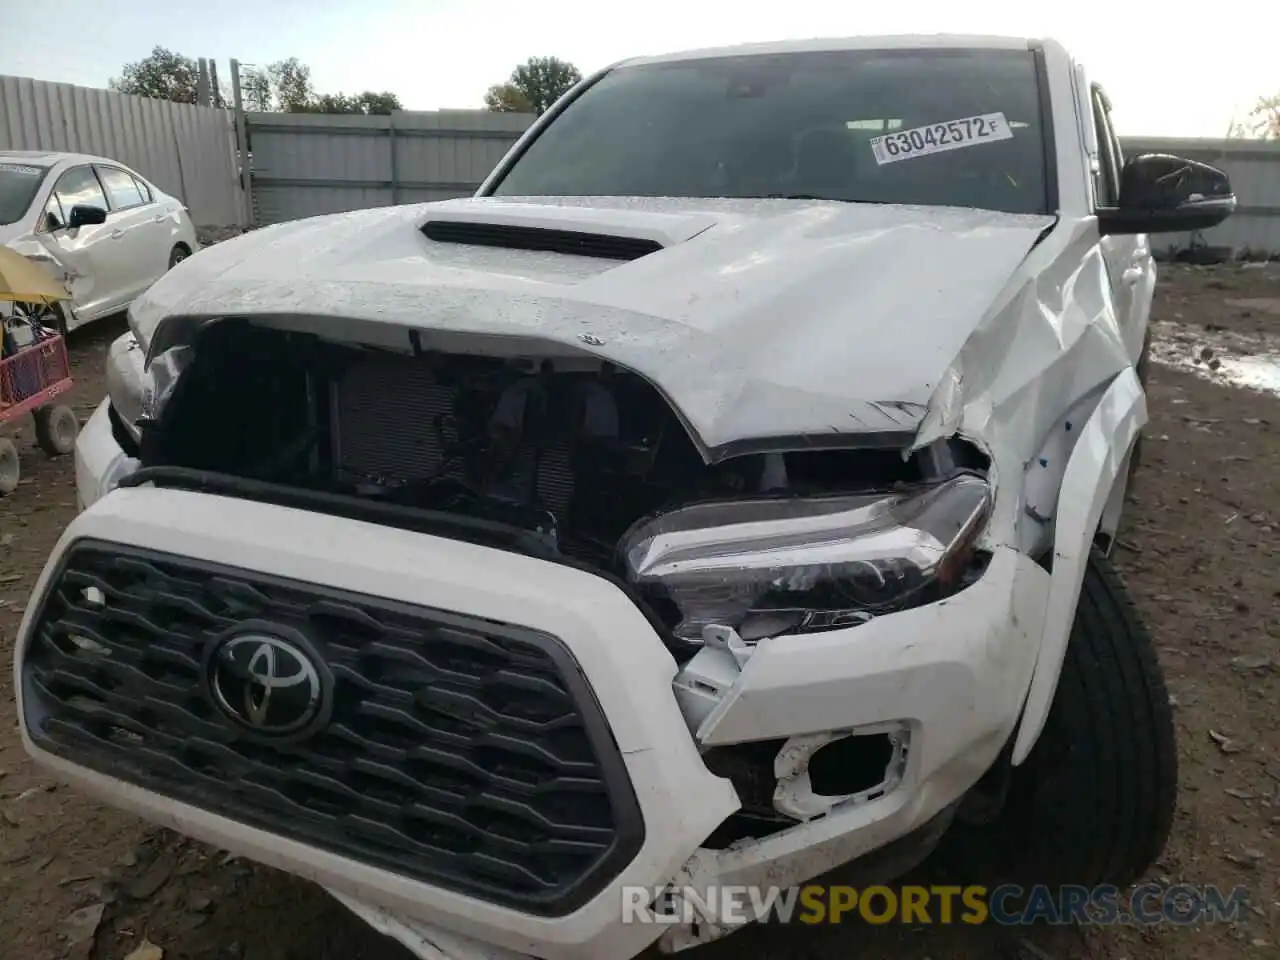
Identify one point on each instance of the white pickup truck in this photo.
(722, 496)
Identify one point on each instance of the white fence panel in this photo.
(188, 151)
(308, 164)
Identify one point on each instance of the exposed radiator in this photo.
(390, 415)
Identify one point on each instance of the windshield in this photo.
(941, 127)
(18, 185)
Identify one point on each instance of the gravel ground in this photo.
(1199, 551)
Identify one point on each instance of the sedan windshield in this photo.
(940, 127)
(18, 185)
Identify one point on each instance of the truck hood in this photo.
(760, 320)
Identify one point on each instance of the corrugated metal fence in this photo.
(1254, 169)
(304, 164)
(187, 151)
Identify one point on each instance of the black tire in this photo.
(56, 430)
(178, 254)
(10, 467)
(1094, 802)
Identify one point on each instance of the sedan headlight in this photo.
(765, 567)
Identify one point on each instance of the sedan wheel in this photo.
(49, 315)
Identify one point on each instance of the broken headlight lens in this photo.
(137, 389)
(126, 372)
(766, 567)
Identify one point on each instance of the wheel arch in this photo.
(1092, 491)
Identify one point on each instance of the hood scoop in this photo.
(542, 239)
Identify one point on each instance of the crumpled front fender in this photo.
(1097, 462)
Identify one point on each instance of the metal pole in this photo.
(202, 83)
(242, 138)
(215, 91)
(395, 162)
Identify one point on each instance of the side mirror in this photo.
(1164, 194)
(83, 215)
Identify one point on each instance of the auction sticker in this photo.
(20, 168)
(940, 137)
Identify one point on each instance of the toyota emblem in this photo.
(266, 684)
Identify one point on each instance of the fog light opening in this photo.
(851, 765)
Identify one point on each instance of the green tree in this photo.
(285, 86)
(507, 98)
(381, 104)
(533, 86)
(291, 86)
(163, 75)
(255, 88)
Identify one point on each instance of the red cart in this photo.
(31, 380)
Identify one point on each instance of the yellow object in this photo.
(25, 281)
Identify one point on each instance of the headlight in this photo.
(765, 567)
(138, 390)
(125, 376)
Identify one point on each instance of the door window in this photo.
(144, 188)
(122, 189)
(54, 218)
(77, 187)
(1107, 179)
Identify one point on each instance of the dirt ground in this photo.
(1200, 551)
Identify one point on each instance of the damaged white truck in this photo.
(721, 496)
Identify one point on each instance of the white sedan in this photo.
(102, 228)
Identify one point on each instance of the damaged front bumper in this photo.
(945, 682)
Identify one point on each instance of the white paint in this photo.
(618, 652)
(724, 323)
(778, 317)
(104, 266)
(940, 138)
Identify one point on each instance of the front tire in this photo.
(10, 467)
(178, 254)
(1094, 802)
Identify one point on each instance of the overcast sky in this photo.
(1173, 69)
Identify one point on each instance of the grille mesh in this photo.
(393, 416)
(461, 752)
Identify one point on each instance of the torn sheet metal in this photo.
(1049, 343)
(772, 325)
(1046, 385)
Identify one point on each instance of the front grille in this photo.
(462, 752)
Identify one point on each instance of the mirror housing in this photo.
(83, 215)
(1166, 194)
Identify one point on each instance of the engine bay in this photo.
(566, 453)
